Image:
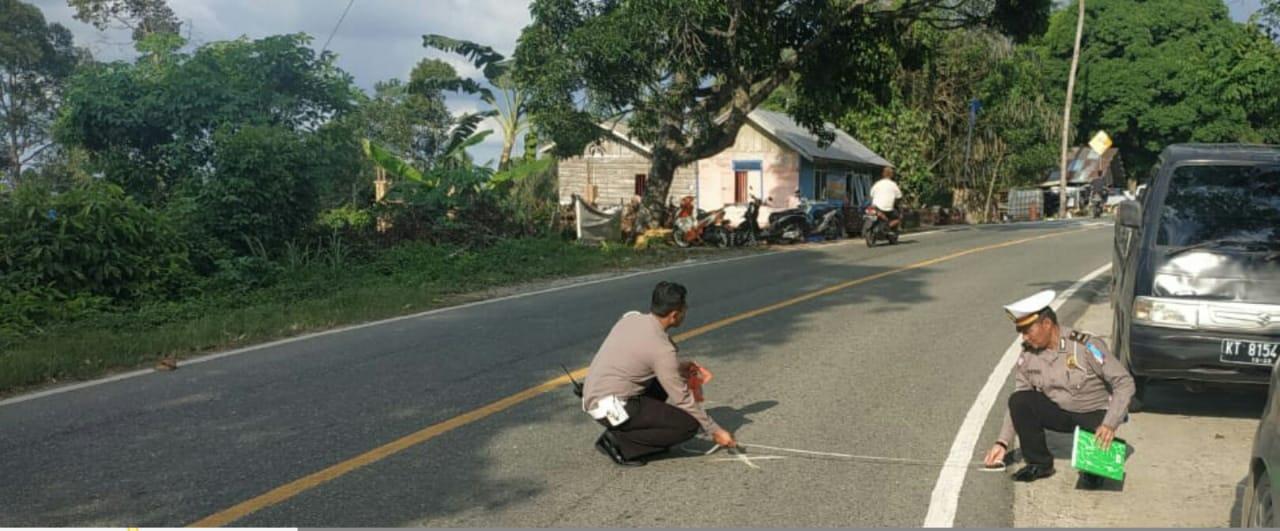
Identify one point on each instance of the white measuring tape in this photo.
(740, 456)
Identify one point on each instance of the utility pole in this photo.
(1066, 115)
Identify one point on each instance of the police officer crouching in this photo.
(638, 390)
(1062, 379)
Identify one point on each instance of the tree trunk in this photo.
(662, 170)
(508, 143)
(15, 163)
(991, 189)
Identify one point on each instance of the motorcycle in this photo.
(707, 228)
(809, 219)
(875, 226)
(748, 233)
(1097, 203)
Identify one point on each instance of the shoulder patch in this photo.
(1097, 353)
(1079, 337)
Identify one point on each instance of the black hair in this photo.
(1049, 314)
(667, 297)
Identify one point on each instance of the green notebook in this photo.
(1087, 457)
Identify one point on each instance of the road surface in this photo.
(856, 366)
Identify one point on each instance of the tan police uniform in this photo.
(1075, 382)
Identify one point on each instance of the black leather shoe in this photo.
(1089, 481)
(1033, 472)
(609, 448)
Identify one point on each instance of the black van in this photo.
(1196, 267)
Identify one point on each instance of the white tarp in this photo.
(596, 225)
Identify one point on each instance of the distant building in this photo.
(772, 158)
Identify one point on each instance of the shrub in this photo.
(92, 240)
(260, 189)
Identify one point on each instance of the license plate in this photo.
(1249, 352)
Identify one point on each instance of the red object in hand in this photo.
(698, 377)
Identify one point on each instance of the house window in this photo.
(641, 179)
(830, 187)
(739, 187)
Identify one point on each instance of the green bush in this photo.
(260, 190)
(63, 256)
(91, 240)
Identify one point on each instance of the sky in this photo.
(377, 40)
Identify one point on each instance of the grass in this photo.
(317, 296)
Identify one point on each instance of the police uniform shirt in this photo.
(1075, 374)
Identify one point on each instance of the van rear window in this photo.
(1236, 206)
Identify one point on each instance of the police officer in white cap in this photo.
(1062, 379)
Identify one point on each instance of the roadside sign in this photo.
(1100, 143)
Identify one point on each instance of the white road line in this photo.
(946, 492)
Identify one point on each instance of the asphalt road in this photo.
(884, 369)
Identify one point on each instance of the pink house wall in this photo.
(779, 175)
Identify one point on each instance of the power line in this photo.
(335, 26)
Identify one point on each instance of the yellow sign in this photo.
(1101, 142)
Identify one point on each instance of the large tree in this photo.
(150, 125)
(924, 127)
(143, 17)
(1158, 72)
(412, 124)
(685, 73)
(36, 58)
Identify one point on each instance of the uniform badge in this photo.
(1071, 362)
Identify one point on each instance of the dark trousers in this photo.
(652, 425)
(1033, 412)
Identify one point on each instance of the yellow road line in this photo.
(298, 486)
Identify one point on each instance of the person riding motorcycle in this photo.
(1098, 195)
(885, 195)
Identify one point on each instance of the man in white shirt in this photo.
(885, 195)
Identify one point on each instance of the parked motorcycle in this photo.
(705, 228)
(809, 219)
(748, 233)
(875, 226)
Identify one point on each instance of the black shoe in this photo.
(1089, 481)
(609, 448)
(1033, 472)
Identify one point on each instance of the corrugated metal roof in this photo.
(843, 148)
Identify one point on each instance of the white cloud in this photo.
(378, 39)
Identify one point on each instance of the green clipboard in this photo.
(1087, 457)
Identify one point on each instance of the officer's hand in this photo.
(1103, 437)
(686, 368)
(995, 456)
(724, 439)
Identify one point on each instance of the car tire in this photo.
(1262, 511)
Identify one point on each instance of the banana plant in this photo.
(511, 112)
(383, 158)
